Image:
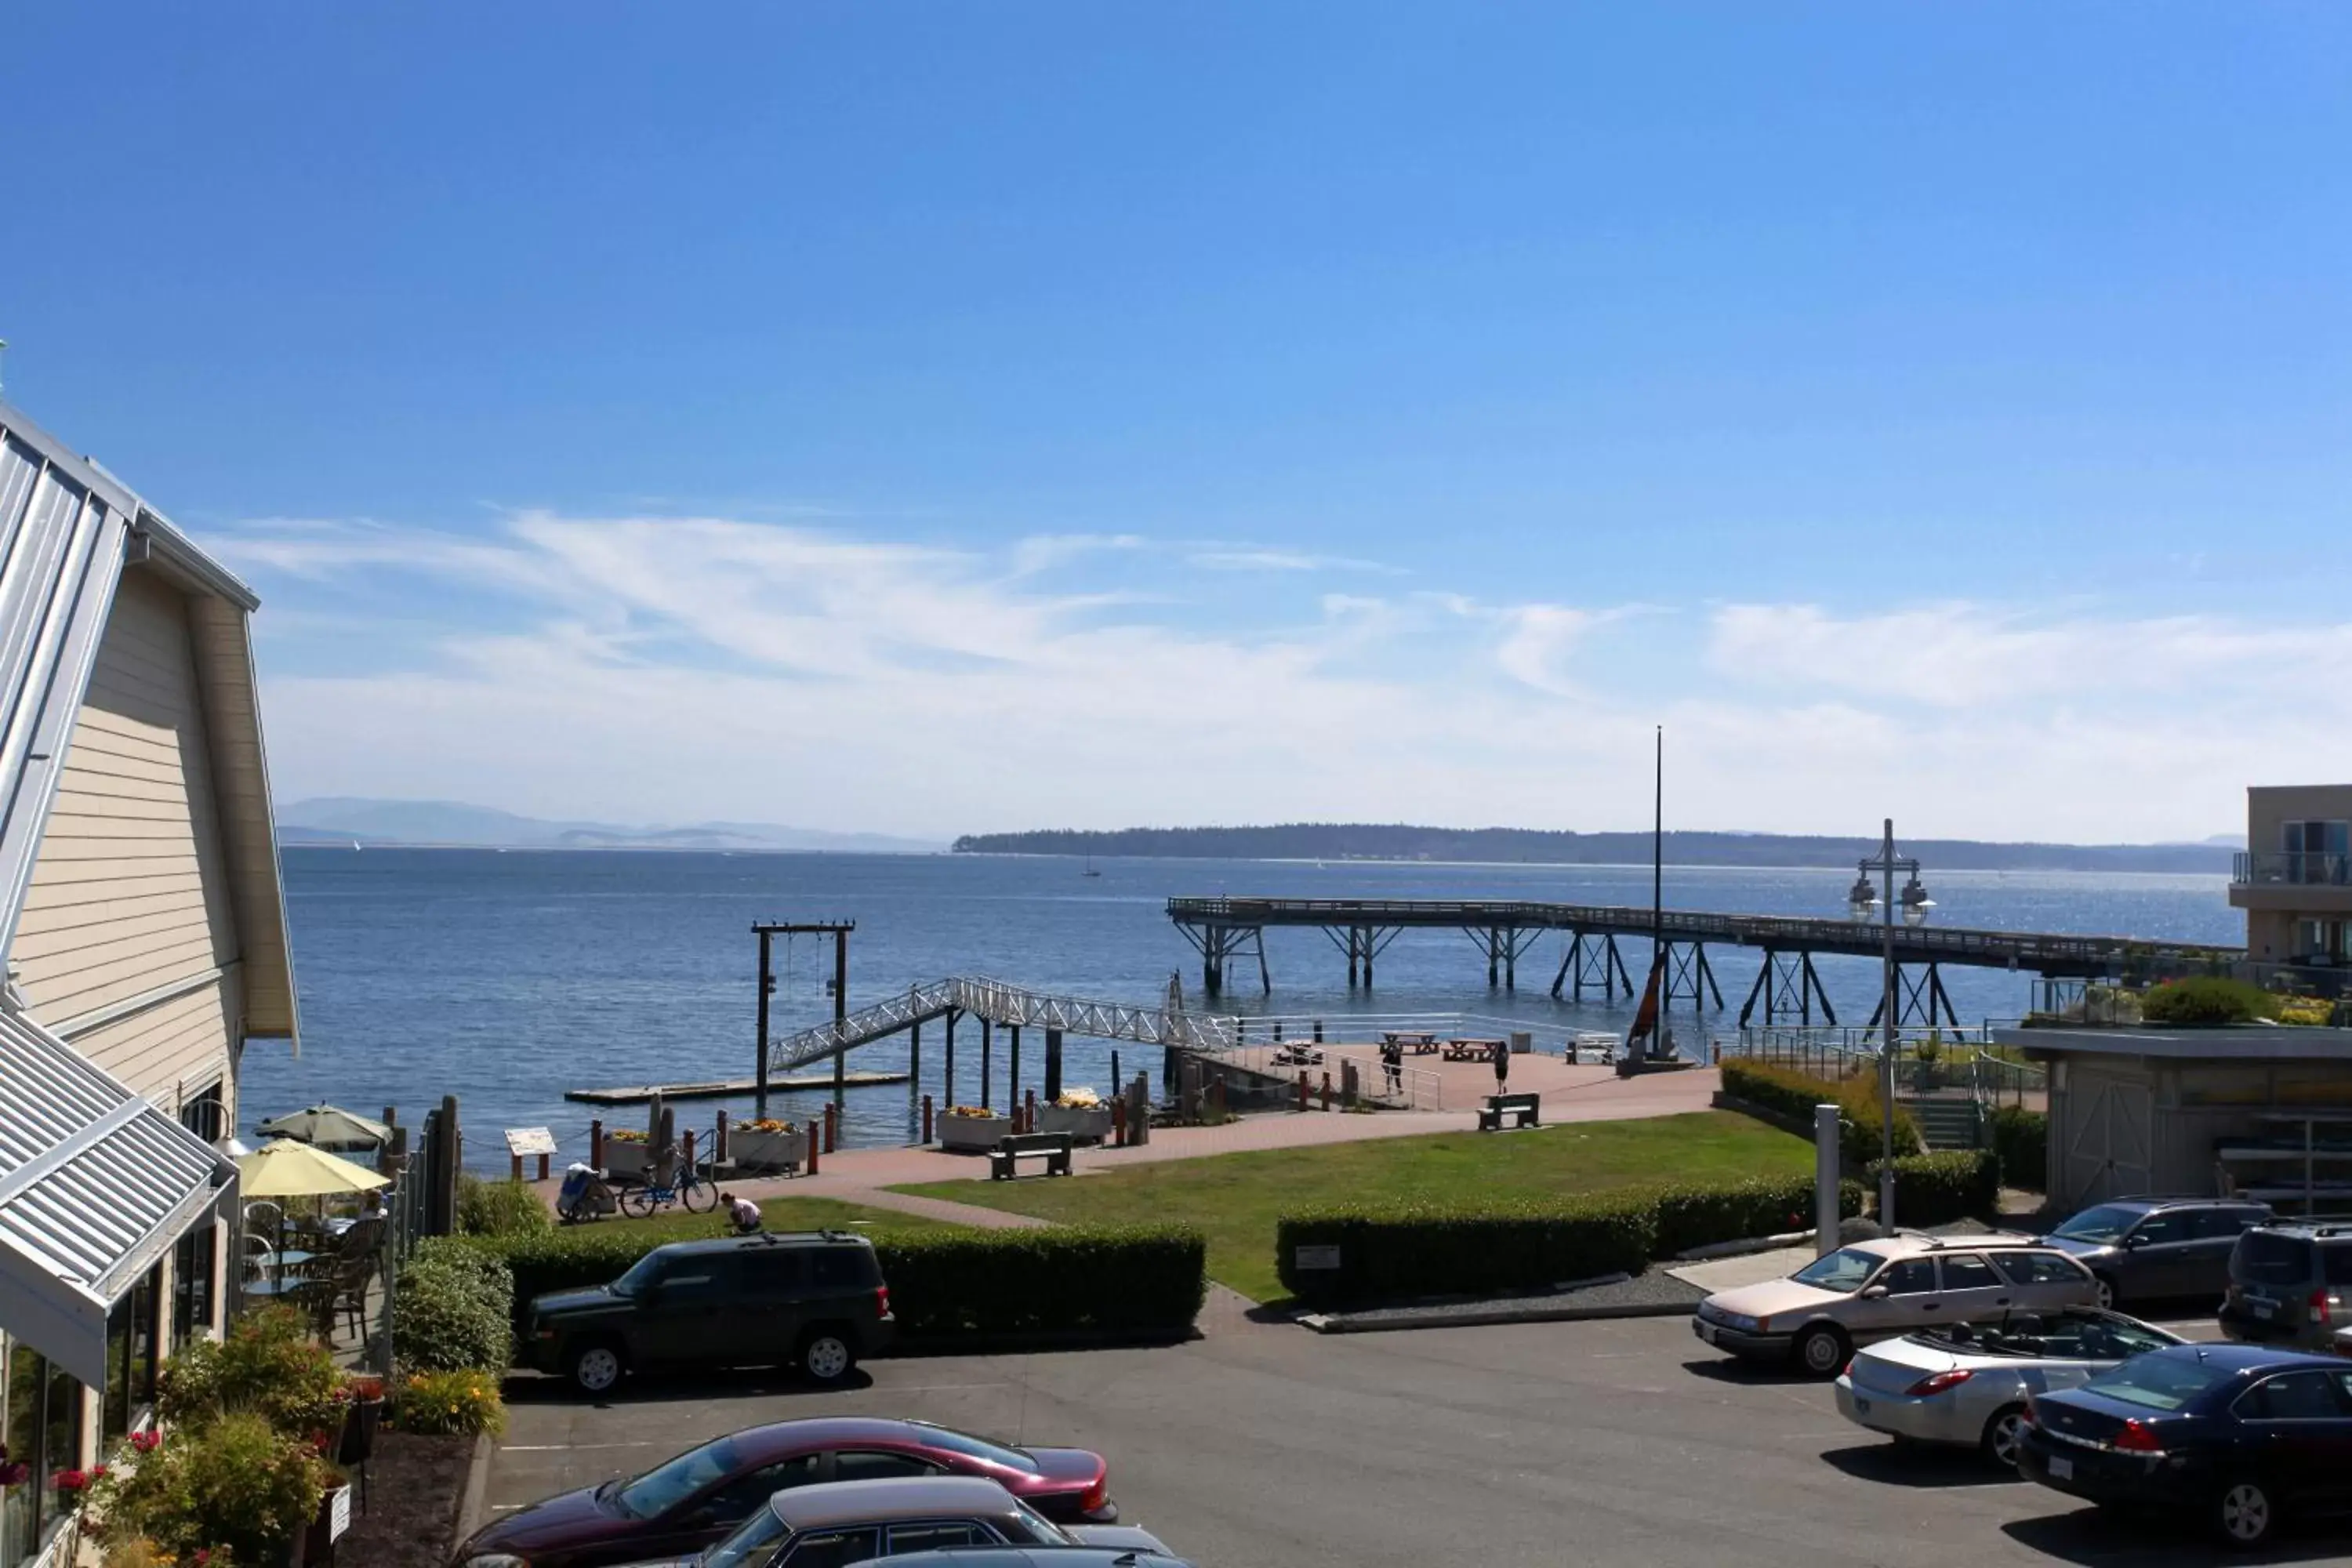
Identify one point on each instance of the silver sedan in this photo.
(1967, 1384)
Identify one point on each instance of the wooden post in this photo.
(760, 1070)
(515, 1174)
(1327, 1090)
(666, 1147)
(1013, 1078)
(451, 1148)
(687, 1153)
(816, 1145)
(719, 1138)
(987, 1048)
(596, 1142)
(915, 1057)
(926, 1119)
(831, 1128)
(1117, 1117)
(1029, 1112)
(1302, 1089)
(1053, 1065)
(946, 1063)
(542, 1167)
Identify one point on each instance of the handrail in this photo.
(1000, 1004)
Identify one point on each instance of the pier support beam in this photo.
(914, 1059)
(1919, 998)
(1788, 988)
(1054, 1065)
(947, 1086)
(1688, 976)
(1592, 959)
(1013, 1076)
(987, 1046)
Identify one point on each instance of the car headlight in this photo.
(1740, 1321)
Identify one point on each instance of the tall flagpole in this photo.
(1658, 887)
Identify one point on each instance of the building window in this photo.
(205, 1114)
(191, 1284)
(132, 1351)
(2319, 942)
(42, 1428)
(2316, 851)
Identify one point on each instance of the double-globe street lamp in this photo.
(1914, 905)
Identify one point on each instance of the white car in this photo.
(1968, 1385)
(1876, 1289)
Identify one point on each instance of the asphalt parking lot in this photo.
(1263, 1445)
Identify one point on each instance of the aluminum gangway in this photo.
(998, 1003)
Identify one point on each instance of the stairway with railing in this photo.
(1000, 1004)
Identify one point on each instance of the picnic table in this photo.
(1419, 1042)
(1468, 1049)
(1300, 1056)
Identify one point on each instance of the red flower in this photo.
(204, 1556)
(70, 1480)
(15, 1475)
(97, 1472)
(147, 1442)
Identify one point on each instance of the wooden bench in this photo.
(1053, 1148)
(1520, 1107)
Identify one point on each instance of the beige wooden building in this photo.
(2294, 879)
(144, 925)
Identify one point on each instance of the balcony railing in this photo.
(2294, 869)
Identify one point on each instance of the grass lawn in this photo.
(788, 1213)
(1235, 1199)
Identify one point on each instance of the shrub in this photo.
(1702, 1215)
(453, 1310)
(1793, 1094)
(1421, 1249)
(268, 1365)
(238, 1486)
(500, 1208)
(2204, 1001)
(461, 1403)
(1134, 1279)
(2021, 1141)
(1935, 1189)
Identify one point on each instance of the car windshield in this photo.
(751, 1543)
(2105, 1224)
(642, 1272)
(1842, 1270)
(1043, 1530)
(2266, 1257)
(664, 1487)
(2159, 1382)
(964, 1443)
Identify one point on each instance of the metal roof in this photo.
(2219, 1048)
(95, 1186)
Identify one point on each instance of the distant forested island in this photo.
(1378, 841)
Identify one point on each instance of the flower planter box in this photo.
(628, 1160)
(767, 1151)
(972, 1134)
(1086, 1126)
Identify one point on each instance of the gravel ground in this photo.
(415, 1485)
(1655, 1294)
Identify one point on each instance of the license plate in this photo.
(2061, 1469)
(2263, 1309)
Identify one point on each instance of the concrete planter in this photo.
(1086, 1126)
(631, 1160)
(972, 1134)
(767, 1151)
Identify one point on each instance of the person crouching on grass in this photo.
(742, 1210)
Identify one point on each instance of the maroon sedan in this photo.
(677, 1508)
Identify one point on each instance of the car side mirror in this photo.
(1874, 1293)
(2132, 1243)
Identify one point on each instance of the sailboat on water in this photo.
(1090, 870)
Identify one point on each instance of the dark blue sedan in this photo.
(2239, 1435)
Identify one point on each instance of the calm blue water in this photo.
(505, 979)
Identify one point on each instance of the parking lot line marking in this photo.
(559, 1447)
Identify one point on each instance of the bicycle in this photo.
(691, 1188)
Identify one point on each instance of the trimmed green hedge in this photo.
(1421, 1249)
(1793, 1094)
(453, 1308)
(2021, 1138)
(500, 1208)
(1935, 1189)
(1703, 1215)
(1391, 1252)
(2205, 999)
(1131, 1280)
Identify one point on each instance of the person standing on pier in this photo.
(1502, 1065)
(1392, 1065)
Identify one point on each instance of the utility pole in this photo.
(1914, 906)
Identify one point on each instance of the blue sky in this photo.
(946, 417)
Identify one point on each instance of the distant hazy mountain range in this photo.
(1357, 841)
(346, 820)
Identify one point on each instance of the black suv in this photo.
(816, 1299)
(2287, 1283)
(2152, 1249)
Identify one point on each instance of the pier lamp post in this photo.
(1914, 906)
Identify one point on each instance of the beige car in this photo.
(1875, 1289)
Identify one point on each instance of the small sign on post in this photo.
(522, 1141)
(338, 1513)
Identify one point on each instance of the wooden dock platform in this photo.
(724, 1088)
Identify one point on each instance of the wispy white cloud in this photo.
(671, 667)
(1228, 559)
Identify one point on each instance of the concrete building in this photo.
(143, 922)
(2294, 879)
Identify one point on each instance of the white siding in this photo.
(129, 897)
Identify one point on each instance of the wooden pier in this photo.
(1224, 929)
(725, 1088)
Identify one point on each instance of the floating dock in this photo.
(724, 1088)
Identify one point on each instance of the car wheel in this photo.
(595, 1368)
(2108, 1294)
(2002, 1436)
(1821, 1350)
(826, 1355)
(2244, 1513)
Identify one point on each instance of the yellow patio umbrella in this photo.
(285, 1169)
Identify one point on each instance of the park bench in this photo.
(1053, 1148)
(1520, 1107)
